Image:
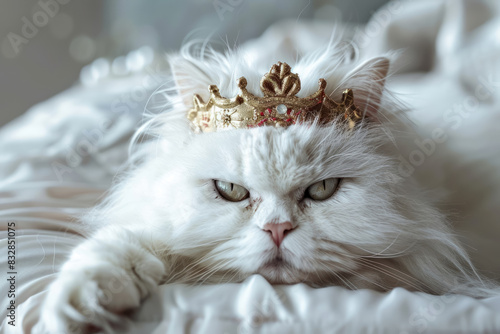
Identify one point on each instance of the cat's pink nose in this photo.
(278, 231)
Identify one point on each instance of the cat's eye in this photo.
(322, 190)
(231, 191)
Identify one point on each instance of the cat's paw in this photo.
(96, 298)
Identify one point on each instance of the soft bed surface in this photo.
(59, 159)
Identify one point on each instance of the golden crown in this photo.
(279, 107)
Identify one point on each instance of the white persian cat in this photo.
(311, 203)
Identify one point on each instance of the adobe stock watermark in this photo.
(421, 319)
(453, 119)
(226, 6)
(30, 27)
(91, 139)
(376, 25)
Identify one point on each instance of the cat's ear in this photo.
(189, 78)
(367, 82)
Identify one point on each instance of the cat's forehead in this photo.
(273, 158)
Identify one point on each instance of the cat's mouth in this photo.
(277, 262)
(277, 270)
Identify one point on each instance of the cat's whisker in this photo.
(386, 248)
(415, 282)
(336, 256)
(209, 255)
(311, 265)
(195, 276)
(213, 271)
(382, 255)
(236, 273)
(338, 275)
(210, 243)
(346, 282)
(220, 263)
(375, 265)
(350, 284)
(357, 274)
(197, 262)
(378, 255)
(335, 244)
(397, 275)
(181, 273)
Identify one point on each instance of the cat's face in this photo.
(321, 242)
(277, 166)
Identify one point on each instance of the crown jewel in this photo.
(279, 107)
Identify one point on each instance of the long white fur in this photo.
(164, 221)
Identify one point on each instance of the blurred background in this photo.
(46, 43)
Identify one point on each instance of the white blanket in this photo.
(60, 157)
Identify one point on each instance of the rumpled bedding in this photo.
(59, 159)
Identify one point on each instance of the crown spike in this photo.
(279, 107)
